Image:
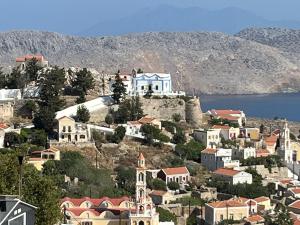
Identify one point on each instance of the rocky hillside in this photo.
(206, 62)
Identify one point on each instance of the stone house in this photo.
(234, 116)
(161, 197)
(231, 209)
(227, 132)
(6, 110)
(232, 176)
(70, 131)
(243, 153)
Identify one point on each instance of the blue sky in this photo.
(72, 16)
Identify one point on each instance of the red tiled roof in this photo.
(271, 139)
(295, 204)
(134, 122)
(3, 126)
(29, 57)
(226, 111)
(209, 151)
(296, 190)
(226, 172)
(146, 119)
(228, 117)
(175, 170)
(261, 199)
(141, 156)
(225, 127)
(79, 211)
(262, 151)
(227, 203)
(296, 221)
(286, 181)
(95, 201)
(255, 218)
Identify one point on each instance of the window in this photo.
(156, 87)
(82, 136)
(142, 87)
(221, 217)
(64, 129)
(69, 129)
(87, 223)
(231, 216)
(62, 136)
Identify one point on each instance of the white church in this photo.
(142, 83)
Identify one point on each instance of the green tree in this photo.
(50, 91)
(139, 70)
(179, 138)
(158, 184)
(109, 119)
(129, 110)
(119, 90)
(81, 98)
(282, 216)
(15, 80)
(150, 133)
(126, 178)
(83, 81)
(41, 192)
(191, 150)
(176, 117)
(83, 114)
(39, 138)
(166, 215)
(3, 81)
(32, 69)
(12, 139)
(173, 185)
(118, 135)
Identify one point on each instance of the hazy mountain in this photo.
(206, 62)
(169, 18)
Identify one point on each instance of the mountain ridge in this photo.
(207, 62)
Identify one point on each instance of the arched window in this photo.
(141, 223)
(141, 177)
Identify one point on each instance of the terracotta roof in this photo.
(224, 127)
(3, 126)
(295, 204)
(255, 218)
(95, 201)
(226, 172)
(146, 119)
(271, 139)
(134, 122)
(285, 181)
(141, 156)
(226, 111)
(262, 151)
(227, 203)
(175, 170)
(79, 211)
(158, 193)
(29, 57)
(262, 199)
(209, 151)
(295, 190)
(296, 221)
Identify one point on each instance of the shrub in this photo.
(158, 184)
(118, 135)
(83, 114)
(173, 185)
(176, 117)
(109, 119)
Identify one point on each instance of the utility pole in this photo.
(20, 159)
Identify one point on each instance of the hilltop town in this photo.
(89, 148)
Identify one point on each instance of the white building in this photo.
(213, 159)
(143, 83)
(285, 150)
(210, 138)
(232, 176)
(22, 62)
(244, 153)
(227, 132)
(10, 94)
(234, 116)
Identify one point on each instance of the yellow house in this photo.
(70, 131)
(38, 158)
(263, 203)
(231, 209)
(295, 146)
